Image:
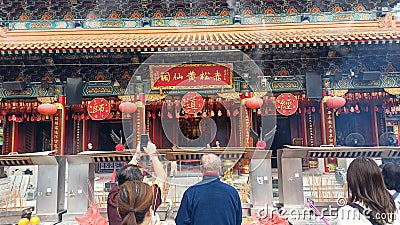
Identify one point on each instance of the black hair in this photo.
(129, 173)
(391, 175)
(366, 185)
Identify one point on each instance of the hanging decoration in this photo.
(47, 109)
(98, 109)
(335, 102)
(192, 103)
(254, 103)
(262, 145)
(286, 104)
(127, 107)
(119, 148)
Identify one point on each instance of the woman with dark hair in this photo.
(369, 201)
(131, 172)
(135, 201)
(391, 176)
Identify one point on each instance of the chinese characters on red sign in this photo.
(98, 109)
(287, 104)
(191, 75)
(192, 103)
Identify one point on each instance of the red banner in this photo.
(191, 76)
(286, 104)
(99, 109)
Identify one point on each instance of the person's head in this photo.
(210, 163)
(129, 173)
(135, 200)
(90, 145)
(391, 175)
(365, 184)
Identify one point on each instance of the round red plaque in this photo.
(192, 103)
(98, 109)
(286, 104)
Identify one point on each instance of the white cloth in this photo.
(348, 215)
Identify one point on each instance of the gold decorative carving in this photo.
(259, 94)
(97, 90)
(229, 95)
(339, 93)
(45, 100)
(392, 91)
(27, 92)
(155, 97)
(276, 85)
(127, 98)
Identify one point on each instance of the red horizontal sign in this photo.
(191, 75)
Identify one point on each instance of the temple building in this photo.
(326, 73)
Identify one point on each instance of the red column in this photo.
(58, 127)
(14, 134)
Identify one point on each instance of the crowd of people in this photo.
(373, 195)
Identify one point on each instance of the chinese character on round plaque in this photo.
(286, 104)
(99, 109)
(192, 103)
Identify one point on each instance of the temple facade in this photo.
(293, 55)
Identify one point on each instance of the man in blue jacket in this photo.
(210, 202)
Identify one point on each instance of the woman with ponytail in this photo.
(135, 201)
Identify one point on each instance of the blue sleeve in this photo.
(184, 212)
(239, 212)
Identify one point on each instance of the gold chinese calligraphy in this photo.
(98, 109)
(192, 103)
(286, 104)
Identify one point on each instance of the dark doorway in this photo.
(100, 134)
(34, 136)
(354, 123)
(282, 137)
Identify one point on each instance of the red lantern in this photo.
(47, 109)
(335, 102)
(254, 103)
(127, 107)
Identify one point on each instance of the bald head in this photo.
(211, 163)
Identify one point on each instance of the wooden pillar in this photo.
(140, 119)
(328, 135)
(328, 125)
(245, 124)
(379, 123)
(59, 127)
(83, 133)
(80, 136)
(310, 128)
(14, 137)
(304, 126)
(8, 137)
